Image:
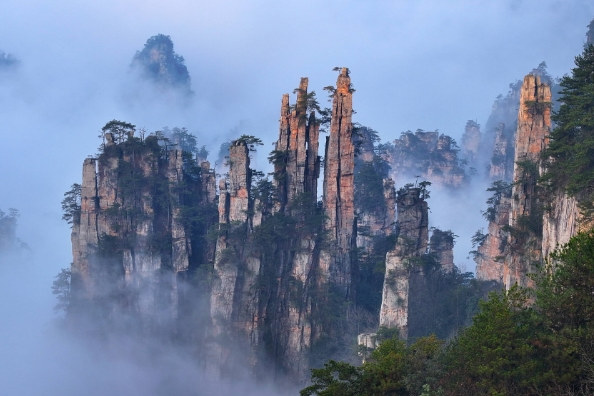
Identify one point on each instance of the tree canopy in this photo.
(571, 148)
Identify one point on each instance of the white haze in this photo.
(423, 64)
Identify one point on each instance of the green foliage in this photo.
(392, 369)
(371, 270)
(71, 204)
(369, 185)
(532, 221)
(571, 147)
(120, 130)
(187, 141)
(500, 189)
(498, 354)
(439, 237)
(477, 240)
(531, 342)
(309, 101)
(61, 289)
(250, 141)
(443, 302)
(336, 378)
(536, 107)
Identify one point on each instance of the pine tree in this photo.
(571, 149)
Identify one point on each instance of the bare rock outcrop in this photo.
(441, 245)
(412, 242)
(491, 252)
(131, 243)
(336, 262)
(295, 158)
(525, 219)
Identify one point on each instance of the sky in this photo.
(428, 64)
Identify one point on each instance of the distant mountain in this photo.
(158, 62)
(590, 33)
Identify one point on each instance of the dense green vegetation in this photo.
(521, 342)
(571, 148)
(441, 302)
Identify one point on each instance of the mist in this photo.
(428, 64)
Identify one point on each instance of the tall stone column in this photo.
(339, 187)
(413, 225)
(534, 123)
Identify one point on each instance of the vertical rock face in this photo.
(296, 160)
(412, 242)
(209, 182)
(491, 253)
(239, 182)
(471, 140)
(377, 223)
(261, 295)
(234, 203)
(442, 245)
(131, 242)
(534, 122)
(590, 34)
(560, 222)
(375, 206)
(85, 234)
(502, 161)
(339, 187)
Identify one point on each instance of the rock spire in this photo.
(339, 186)
(413, 230)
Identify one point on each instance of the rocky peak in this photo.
(339, 183)
(590, 34)
(158, 62)
(534, 122)
(295, 158)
